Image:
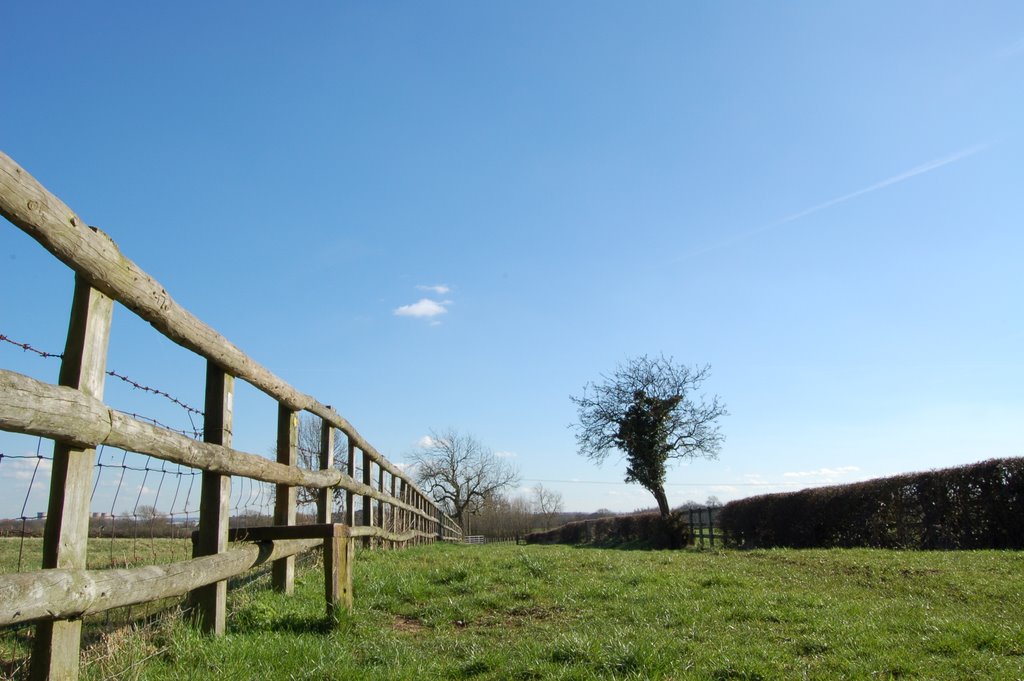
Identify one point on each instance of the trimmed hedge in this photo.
(980, 506)
(647, 529)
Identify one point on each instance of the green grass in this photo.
(104, 633)
(102, 552)
(540, 612)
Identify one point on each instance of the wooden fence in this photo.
(704, 526)
(73, 414)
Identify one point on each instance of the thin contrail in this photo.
(1011, 50)
(895, 179)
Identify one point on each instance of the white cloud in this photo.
(24, 469)
(425, 308)
(439, 289)
(505, 455)
(425, 442)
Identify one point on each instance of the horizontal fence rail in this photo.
(72, 414)
(63, 594)
(35, 408)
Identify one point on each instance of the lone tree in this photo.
(547, 504)
(645, 410)
(460, 472)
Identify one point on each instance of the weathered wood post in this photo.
(283, 570)
(394, 510)
(380, 502)
(417, 519)
(57, 643)
(338, 547)
(402, 513)
(410, 517)
(325, 495)
(367, 499)
(350, 497)
(209, 603)
(339, 553)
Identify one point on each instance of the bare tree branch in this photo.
(309, 457)
(547, 503)
(460, 472)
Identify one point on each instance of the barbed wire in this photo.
(29, 348)
(191, 411)
(156, 391)
(142, 509)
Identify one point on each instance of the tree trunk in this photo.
(659, 493)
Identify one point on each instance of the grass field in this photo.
(23, 555)
(101, 630)
(539, 612)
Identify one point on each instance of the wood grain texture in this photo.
(83, 369)
(339, 553)
(67, 593)
(283, 570)
(209, 602)
(325, 497)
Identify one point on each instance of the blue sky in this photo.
(457, 214)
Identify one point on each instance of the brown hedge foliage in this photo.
(980, 506)
(643, 529)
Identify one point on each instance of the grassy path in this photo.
(540, 612)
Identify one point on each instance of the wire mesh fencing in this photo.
(143, 511)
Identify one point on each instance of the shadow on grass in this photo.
(635, 545)
(632, 545)
(288, 623)
(302, 624)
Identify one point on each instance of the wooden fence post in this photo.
(210, 602)
(57, 643)
(394, 510)
(283, 570)
(367, 500)
(339, 552)
(325, 496)
(350, 497)
(338, 547)
(400, 522)
(413, 525)
(693, 536)
(422, 521)
(380, 502)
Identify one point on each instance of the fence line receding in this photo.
(73, 414)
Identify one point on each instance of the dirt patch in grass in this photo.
(408, 625)
(522, 616)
